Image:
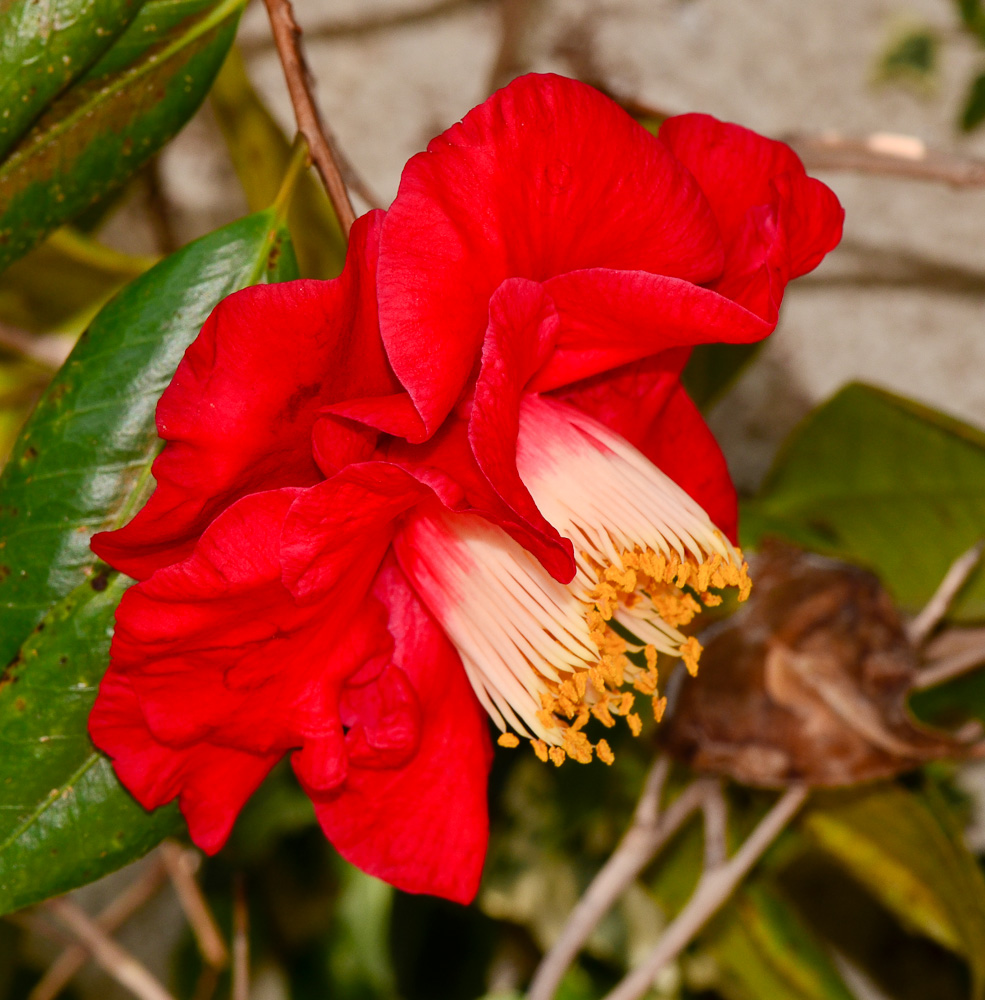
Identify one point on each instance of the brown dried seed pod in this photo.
(808, 683)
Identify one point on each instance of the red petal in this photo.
(776, 222)
(523, 327)
(422, 825)
(213, 781)
(338, 531)
(646, 404)
(219, 657)
(609, 318)
(239, 412)
(546, 176)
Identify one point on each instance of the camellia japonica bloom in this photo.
(460, 481)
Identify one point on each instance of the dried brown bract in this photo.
(807, 684)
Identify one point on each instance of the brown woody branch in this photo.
(300, 85)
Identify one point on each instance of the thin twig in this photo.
(714, 888)
(241, 943)
(49, 350)
(324, 151)
(60, 973)
(179, 862)
(369, 24)
(715, 810)
(649, 831)
(937, 607)
(948, 667)
(118, 962)
(885, 153)
(890, 155)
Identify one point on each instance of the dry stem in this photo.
(75, 956)
(715, 886)
(118, 962)
(179, 863)
(937, 607)
(324, 152)
(240, 989)
(649, 831)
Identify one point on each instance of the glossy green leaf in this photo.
(883, 481)
(64, 818)
(61, 284)
(81, 464)
(44, 47)
(96, 136)
(911, 58)
(260, 153)
(87, 449)
(973, 112)
(762, 949)
(713, 368)
(909, 854)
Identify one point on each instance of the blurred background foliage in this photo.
(872, 892)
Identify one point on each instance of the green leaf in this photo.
(89, 445)
(880, 480)
(61, 284)
(904, 848)
(81, 464)
(713, 368)
(911, 58)
(260, 153)
(44, 47)
(973, 112)
(762, 948)
(64, 818)
(97, 135)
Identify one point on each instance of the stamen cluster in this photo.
(648, 588)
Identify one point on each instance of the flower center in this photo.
(545, 658)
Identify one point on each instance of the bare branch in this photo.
(49, 350)
(324, 151)
(649, 831)
(884, 153)
(74, 957)
(715, 810)
(890, 155)
(937, 607)
(714, 888)
(948, 667)
(180, 863)
(118, 962)
(241, 944)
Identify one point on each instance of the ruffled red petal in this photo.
(417, 819)
(610, 318)
(776, 222)
(218, 656)
(212, 782)
(238, 415)
(545, 177)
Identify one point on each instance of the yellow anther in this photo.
(508, 740)
(690, 652)
(652, 585)
(577, 747)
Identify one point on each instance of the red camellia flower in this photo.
(453, 482)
